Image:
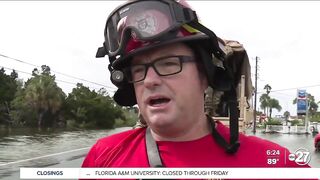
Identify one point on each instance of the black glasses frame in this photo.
(182, 59)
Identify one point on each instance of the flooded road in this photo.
(31, 148)
(293, 142)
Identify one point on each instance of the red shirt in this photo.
(128, 149)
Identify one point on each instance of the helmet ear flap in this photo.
(216, 73)
(125, 95)
(221, 79)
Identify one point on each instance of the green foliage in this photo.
(41, 103)
(268, 88)
(22, 114)
(314, 120)
(91, 109)
(274, 104)
(315, 117)
(8, 87)
(268, 103)
(286, 114)
(131, 117)
(264, 100)
(295, 122)
(44, 96)
(273, 122)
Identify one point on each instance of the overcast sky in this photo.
(65, 36)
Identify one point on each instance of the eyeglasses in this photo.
(164, 66)
(145, 20)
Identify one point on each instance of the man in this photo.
(161, 58)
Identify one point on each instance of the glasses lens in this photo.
(168, 65)
(164, 67)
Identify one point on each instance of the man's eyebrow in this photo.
(163, 55)
(136, 61)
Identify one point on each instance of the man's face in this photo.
(173, 101)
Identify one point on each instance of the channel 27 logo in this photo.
(301, 156)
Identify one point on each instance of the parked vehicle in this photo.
(317, 142)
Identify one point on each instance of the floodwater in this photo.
(293, 142)
(33, 148)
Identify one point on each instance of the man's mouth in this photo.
(158, 101)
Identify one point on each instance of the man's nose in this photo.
(152, 78)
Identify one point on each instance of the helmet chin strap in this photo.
(231, 94)
(234, 121)
(232, 147)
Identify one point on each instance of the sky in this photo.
(65, 36)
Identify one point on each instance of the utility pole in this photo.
(255, 97)
(307, 113)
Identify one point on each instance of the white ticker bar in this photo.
(169, 173)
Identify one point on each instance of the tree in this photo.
(274, 104)
(264, 100)
(286, 116)
(44, 96)
(22, 114)
(8, 88)
(268, 88)
(91, 109)
(268, 103)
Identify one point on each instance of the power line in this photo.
(24, 62)
(292, 88)
(31, 75)
(16, 70)
(55, 79)
(282, 94)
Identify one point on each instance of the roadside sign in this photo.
(301, 102)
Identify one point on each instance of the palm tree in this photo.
(312, 105)
(43, 94)
(286, 116)
(264, 100)
(274, 104)
(268, 88)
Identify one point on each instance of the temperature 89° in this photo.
(273, 152)
(272, 160)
